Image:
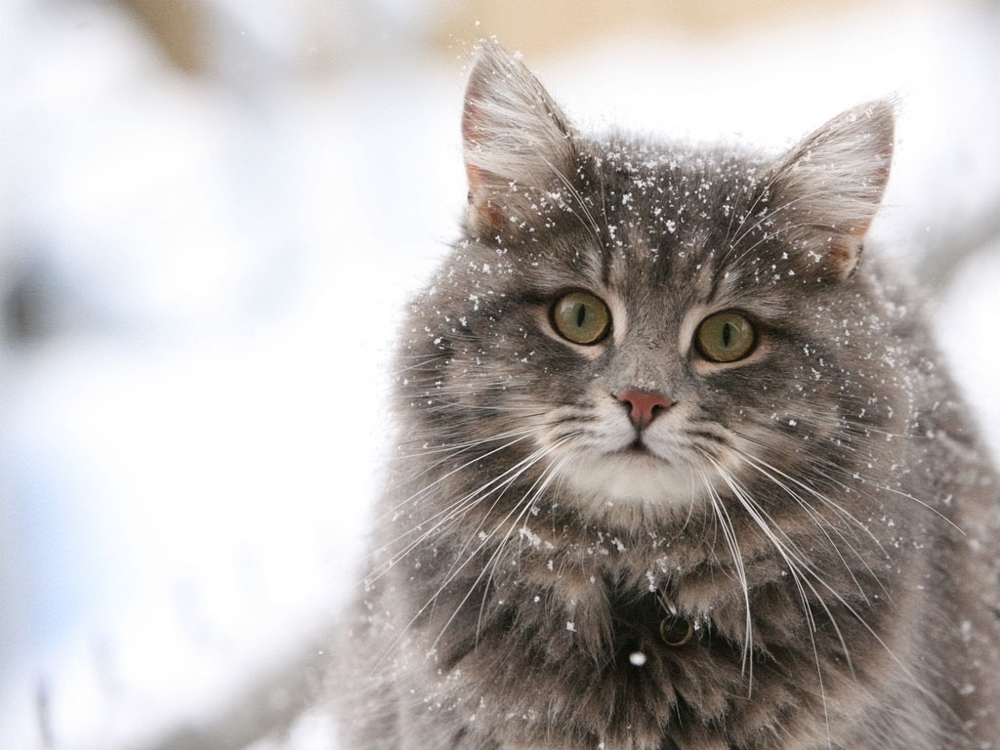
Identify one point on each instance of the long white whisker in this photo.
(729, 534)
(588, 219)
(893, 490)
(517, 437)
(792, 560)
(454, 510)
(519, 508)
(533, 494)
(799, 564)
(518, 512)
(786, 484)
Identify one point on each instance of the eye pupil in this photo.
(727, 335)
(581, 317)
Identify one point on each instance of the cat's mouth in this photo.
(638, 448)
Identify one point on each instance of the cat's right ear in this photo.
(515, 141)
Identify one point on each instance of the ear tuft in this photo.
(515, 138)
(828, 189)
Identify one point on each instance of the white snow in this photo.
(187, 460)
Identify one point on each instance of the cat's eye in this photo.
(725, 337)
(581, 317)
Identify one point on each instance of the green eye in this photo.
(581, 318)
(725, 337)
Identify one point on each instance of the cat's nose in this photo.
(643, 405)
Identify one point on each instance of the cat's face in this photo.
(646, 328)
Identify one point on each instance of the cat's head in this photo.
(638, 328)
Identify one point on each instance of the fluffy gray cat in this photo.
(678, 467)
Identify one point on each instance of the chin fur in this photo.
(621, 487)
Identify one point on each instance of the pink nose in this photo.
(643, 405)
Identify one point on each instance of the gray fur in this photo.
(821, 513)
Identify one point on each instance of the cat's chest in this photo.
(626, 647)
(626, 653)
(606, 607)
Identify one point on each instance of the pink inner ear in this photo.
(487, 214)
(844, 254)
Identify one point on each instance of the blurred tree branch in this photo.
(178, 28)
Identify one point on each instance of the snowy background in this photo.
(210, 213)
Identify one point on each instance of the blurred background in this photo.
(210, 212)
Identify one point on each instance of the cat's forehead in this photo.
(673, 214)
(664, 196)
(677, 178)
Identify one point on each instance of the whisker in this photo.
(785, 483)
(519, 508)
(532, 494)
(453, 511)
(854, 477)
(587, 219)
(799, 565)
(761, 518)
(729, 534)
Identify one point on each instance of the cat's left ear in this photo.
(516, 141)
(827, 190)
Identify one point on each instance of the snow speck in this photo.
(965, 628)
(533, 539)
(637, 658)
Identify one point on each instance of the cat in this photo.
(679, 467)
